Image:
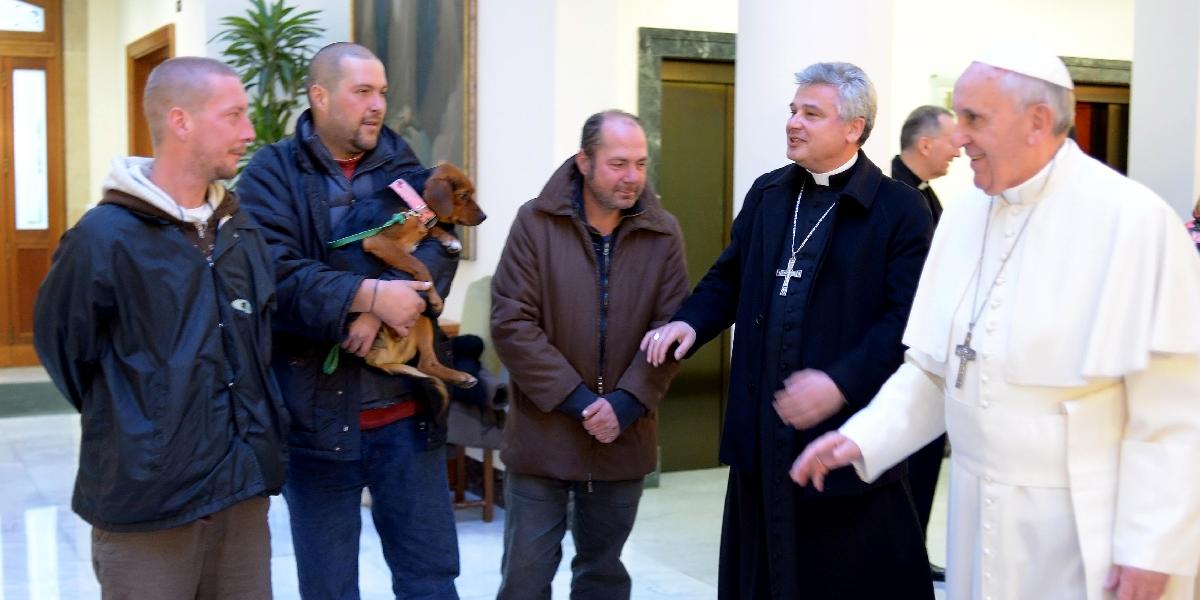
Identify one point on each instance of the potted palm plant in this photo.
(270, 47)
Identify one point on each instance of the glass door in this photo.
(31, 166)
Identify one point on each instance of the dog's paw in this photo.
(467, 383)
(453, 246)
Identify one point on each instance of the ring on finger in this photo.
(657, 336)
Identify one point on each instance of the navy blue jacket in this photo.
(287, 187)
(859, 304)
(165, 352)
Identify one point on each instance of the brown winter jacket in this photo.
(545, 327)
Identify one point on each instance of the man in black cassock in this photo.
(925, 154)
(819, 277)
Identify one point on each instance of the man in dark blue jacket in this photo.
(154, 321)
(357, 426)
(819, 277)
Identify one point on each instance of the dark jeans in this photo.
(410, 507)
(226, 555)
(535, 521)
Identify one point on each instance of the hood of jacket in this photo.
(128, 184)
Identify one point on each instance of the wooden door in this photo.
(141, 57)
(1102, 123)
(32, 205)
(696, 184)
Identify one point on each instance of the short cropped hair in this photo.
(922, 121)
(856, 93)
(593, 127)
(325, 68)
(180, 81)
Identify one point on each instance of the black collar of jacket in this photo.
(862, 187)
(558, 198)
(903, 174)
(313, 156)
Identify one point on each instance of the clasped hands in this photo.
(601, 422)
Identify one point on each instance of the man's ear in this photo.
(582, 162)
(854, 134)
(318, 97)
(924, 143)
(179, 122)
(1041, 121)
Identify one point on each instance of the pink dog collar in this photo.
(414, 201)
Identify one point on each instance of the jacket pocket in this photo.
(297, 381)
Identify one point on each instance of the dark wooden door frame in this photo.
(152, 43)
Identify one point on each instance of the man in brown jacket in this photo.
(589, 264)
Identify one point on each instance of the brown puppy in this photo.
(450, 194)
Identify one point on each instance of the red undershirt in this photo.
(349, 165)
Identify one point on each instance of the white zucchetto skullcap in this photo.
(1030, 59)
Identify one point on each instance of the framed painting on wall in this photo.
(428, 49)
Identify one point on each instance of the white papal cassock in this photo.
(1076, 434)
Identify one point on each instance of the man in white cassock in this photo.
(1055, 337)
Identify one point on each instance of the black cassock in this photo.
(844, 315)
(901, 173)
(925, 464)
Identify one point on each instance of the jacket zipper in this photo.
(201, 228)
(602, 325)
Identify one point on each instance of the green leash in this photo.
(331, 359)
(396, 218)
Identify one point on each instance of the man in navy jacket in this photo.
(357, 426)
(155, 322)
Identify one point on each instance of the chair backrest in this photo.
(477, 320)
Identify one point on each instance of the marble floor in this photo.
(45, 548)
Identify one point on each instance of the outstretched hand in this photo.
(826, 453)
(658, 341)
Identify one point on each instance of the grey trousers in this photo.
(224, 556)
(534, 523)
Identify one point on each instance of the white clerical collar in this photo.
(1031, 190)
(823, 178)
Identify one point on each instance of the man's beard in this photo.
(363, 141)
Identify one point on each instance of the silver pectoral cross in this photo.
(965, 354)
(787, 275)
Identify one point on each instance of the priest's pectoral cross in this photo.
(965, 354)
(787, 275)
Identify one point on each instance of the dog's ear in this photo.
(439, 195)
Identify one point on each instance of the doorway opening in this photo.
(141, 57)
